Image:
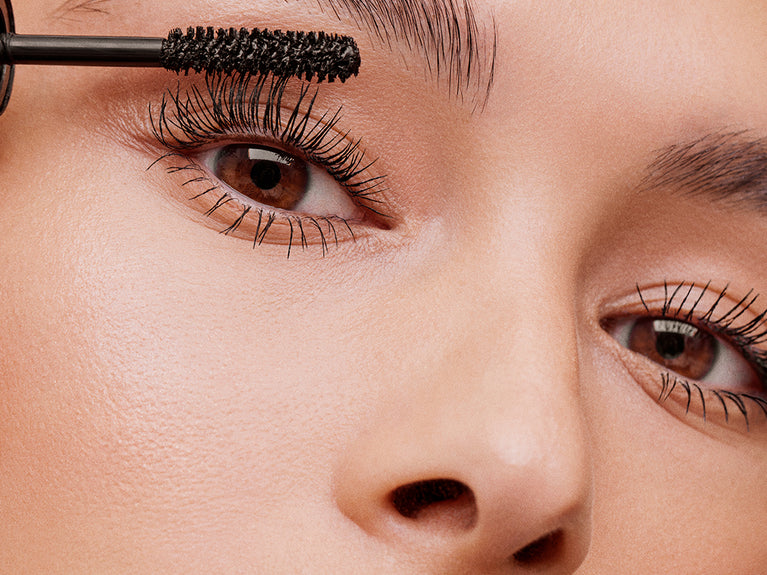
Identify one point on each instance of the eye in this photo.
(687, 350)
(697, 350)
(261, 161)
(271, 177)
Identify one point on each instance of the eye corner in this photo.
(609, 322)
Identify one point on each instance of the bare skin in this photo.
(173, 400)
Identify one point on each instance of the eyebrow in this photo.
(70, 9)
(457, 47)
(446, 33)
(722, 167)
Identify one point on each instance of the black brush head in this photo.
(305, 55)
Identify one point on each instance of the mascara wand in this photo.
(308, 55)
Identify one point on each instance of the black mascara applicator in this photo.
(308, 55)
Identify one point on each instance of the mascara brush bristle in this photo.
(307, 55)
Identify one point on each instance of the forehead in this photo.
(707, 57)
(707, 25)
(612, 30)
(614, 64)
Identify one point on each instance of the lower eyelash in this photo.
(328, 229)
(693, 392)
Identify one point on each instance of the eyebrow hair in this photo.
(69, 9)
(726, 167)
(445, 32)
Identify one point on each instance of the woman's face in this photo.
(515, 331)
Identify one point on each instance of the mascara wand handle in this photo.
(80, 50)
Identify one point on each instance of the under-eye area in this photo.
(261, 170)
(698, 350)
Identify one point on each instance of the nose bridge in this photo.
(513, 358)
(511, 403)
(496, 412)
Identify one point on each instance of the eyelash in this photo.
(251, 108)
(745, 338)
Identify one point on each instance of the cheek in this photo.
(150, 383)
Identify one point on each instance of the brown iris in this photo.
(265, 175)
(676, 345)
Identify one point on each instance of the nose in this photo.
(480, 467)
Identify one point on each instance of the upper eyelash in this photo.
(746, 336)
(241, 104)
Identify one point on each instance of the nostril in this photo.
(541, 550)
(444, 503)
(414, 498)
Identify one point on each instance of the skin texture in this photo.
(174, 401)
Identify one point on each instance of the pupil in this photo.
(669, 345)
(265, 175)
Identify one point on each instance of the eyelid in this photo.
(260, 225)
(655, 295)
(244, 110)
(714, 308)
(234, 107)
(711, 410)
